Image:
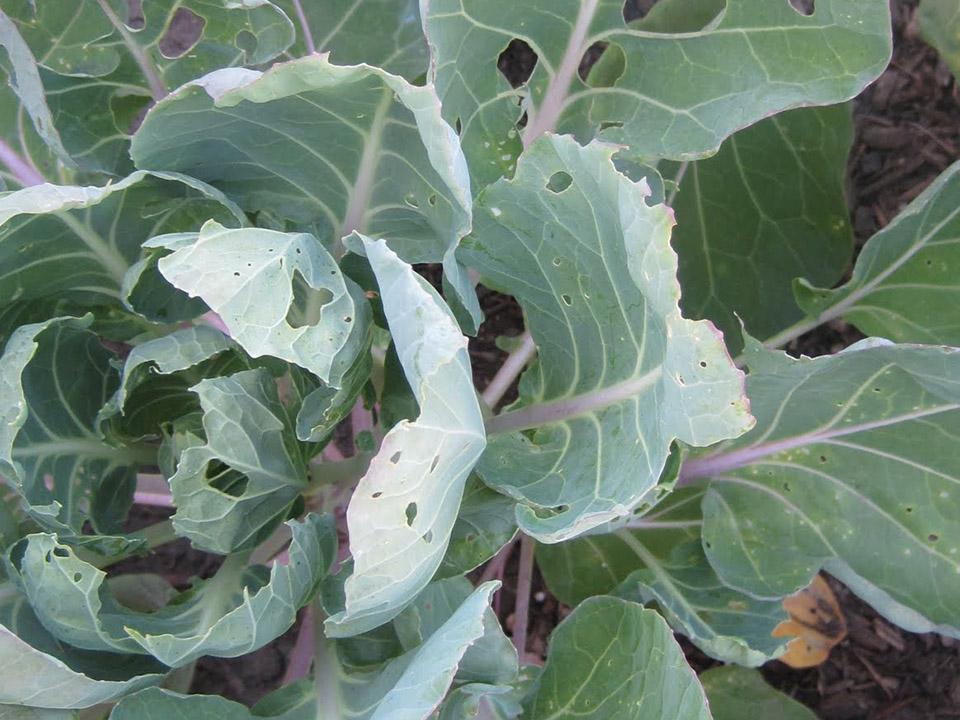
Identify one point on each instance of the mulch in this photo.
(907, 132)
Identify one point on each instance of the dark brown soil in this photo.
(907, 132)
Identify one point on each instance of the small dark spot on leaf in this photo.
(567, 300)
(411, 513)
(433, 465)
(395, 458)
(376, 495)
(933, 537)
(77, 577)
(427, 537)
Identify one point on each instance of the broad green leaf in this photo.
(939, 23)
(485, 524)
(407, 688)
(99, 71)
(675, 96)
(23, 79)
(735, 693)
(18, 712)
(904, 285)
(327, 149)
(614, 660)
(40, 671)
(324, 407)
(403, 510)
(232, 614)
(54, 377)
(620, 373)
(279, 294)
(76, 243)
(234, 490)
(155, 381)
(768, 208)
(659, 560)
(383, 33)
(852, 468)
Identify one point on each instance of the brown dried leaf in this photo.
(817, 623)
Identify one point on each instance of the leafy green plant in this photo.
(215, 219)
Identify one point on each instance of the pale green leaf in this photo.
(39, 671)
(54, 377)
(768, 208)
(759, 58)
(659, 559)
(384, 33)
(232, 614)
(904, 284)
(279, 294)
(735, 693)
(852, 468)
(75, 244)
(939, 24)
(155, 381)
(614, 660)
(100, 72)
(621, 374)
(403, 510)
(234, 490)
(327, 149)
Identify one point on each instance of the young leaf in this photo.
(279, 294)
(385, 33)
(234, 490)
(39, 671)
(735, 693)
(620, 373)
(939, 23)
(326, 148)
(154, 385)
(851, 468)
(904, 283)
(99, 71)
(403, 511)
(661, 560)
(768, 208)
(54, 376)
(675, 96)
(75, 244)
(231, 614)
(614, 660)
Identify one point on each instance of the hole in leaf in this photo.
(236, 274)
(517, 62)
(561, 508)
(603, 65)
(246, 41)
(348, 319)
(135, 15)
(395, 458)
(224, 478)
(376, 495)
(559, 182)
(307, 302)
(458, 126)
(707, 544)
(787, 488)
(182, 33)
(823, 458)
(557, 262)
(933, 537)
(876, 389)
(470, 538)
(908, 509)
(567, 300)
(432, 200)
(61, 552)
(77, 577)
(427, 537)
(636, 9)
(703, 363)
(411, 513)
(613, 124)
(412, 201)
(804, 7)
(433, 465)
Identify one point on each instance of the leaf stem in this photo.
(304, 26)
(157, 88)
(510, 370)
(22, 170)
(325, 669)
(301, 657)
(521, 610)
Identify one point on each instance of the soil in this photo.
(907, 132)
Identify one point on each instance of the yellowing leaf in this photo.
(817, 622)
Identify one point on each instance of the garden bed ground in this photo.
(907, 132)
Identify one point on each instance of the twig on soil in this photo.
(521, 611)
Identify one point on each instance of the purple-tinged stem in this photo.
(521, 610)
(301, 657)
(509, 371)
(22, 170)
(304, 26)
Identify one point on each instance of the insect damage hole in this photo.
(307, 303)
(411, 513)
(517, 62)
(183, 32)
(559, 182)
(804, 7)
